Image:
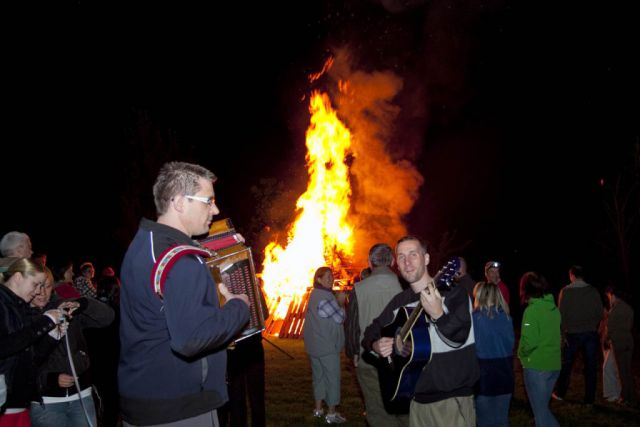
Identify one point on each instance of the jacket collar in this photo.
(383, 269)
(165, 230)
(8, 296)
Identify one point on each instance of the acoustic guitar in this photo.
(399, 372)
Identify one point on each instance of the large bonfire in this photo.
(321, 234)
(356, 195)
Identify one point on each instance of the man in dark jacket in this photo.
(581, 311)
(444, 390)
(173, 344)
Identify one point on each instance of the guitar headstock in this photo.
(444, 277)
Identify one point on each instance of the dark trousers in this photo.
(588, 343)
(245, 376)
(623, 356)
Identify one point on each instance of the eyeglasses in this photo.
(209, 201)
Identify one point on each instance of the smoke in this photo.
(384, 188)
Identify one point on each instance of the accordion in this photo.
(232, 264)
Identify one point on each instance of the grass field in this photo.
(289, 397)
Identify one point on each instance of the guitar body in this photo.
(399, 374)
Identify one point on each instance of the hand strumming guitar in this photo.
(383, 346)
(402, 348)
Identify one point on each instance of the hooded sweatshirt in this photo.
(540, 335)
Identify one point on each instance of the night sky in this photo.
(512, 112)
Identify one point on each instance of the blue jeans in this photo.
(493, 411)
(539, 386)
(588, 343)
(63, 414)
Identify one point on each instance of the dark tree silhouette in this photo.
(147, 148)
(621, 197)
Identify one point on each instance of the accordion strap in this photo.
(167, 259)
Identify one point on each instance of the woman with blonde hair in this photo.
(493, 329)
(25, 336)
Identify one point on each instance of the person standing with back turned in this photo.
(581, 311)
(369, 298)
(173, 355)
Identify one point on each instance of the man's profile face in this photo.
(199, 214)
(412, 260)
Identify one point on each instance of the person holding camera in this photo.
(26, 335)
(65, 388)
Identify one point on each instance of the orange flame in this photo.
(321, 234)
(345, 209)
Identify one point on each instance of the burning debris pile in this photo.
(355, 197)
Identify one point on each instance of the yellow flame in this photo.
(321, 234)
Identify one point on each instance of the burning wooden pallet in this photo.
(293, 323)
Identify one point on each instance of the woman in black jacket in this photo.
(65, 402)
(26, 336)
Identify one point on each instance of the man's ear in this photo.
(177, 202)
(426, 259)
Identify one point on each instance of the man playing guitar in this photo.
(444, 391)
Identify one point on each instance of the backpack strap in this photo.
(167, 259)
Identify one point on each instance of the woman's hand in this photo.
(65, 380)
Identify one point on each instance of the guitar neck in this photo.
(406, 328)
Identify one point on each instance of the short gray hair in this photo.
(178, 179)
(380, 255)
(12, 241)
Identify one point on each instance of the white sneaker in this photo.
(335, 418)
(318, 413)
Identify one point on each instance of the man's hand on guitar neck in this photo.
(431, 301)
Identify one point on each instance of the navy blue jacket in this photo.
(173, 350)
(494, 347)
